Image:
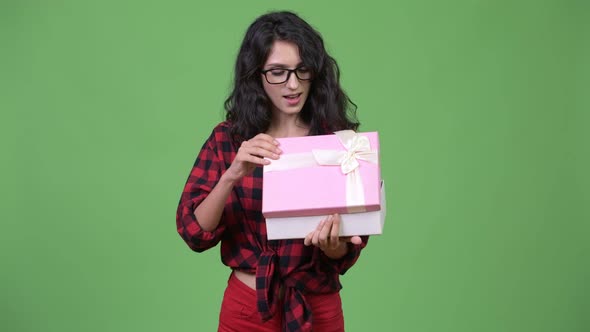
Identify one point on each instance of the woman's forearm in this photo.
(208, 213)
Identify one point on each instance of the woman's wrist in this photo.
(228, 179)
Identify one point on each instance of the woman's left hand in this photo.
(325, 236)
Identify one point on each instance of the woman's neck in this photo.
(287, 126)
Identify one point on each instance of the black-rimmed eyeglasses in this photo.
(282, 75)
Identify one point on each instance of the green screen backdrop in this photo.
(483, 113)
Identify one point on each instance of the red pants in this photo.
(239, 313)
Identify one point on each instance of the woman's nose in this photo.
(293, 81)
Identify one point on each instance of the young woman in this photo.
(285, 85)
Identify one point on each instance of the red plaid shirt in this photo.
(244, 245)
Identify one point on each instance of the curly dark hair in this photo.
(327, 107)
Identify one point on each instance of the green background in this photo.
(483, 111)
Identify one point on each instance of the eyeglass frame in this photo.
(289, 72)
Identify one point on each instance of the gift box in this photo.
(362, 223)
(320, 175)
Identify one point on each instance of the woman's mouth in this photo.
(293, 99)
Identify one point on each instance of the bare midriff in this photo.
(247, 278)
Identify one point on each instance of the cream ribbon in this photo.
(357, 147)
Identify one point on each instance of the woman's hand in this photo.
(325, 236)
(251, 154)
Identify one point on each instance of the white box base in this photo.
(363, 223)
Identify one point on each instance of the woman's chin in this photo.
(288, 110)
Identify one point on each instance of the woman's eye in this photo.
(278, 72)
(303, 70)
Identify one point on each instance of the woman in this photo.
(286, 85)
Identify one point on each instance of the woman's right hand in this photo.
(251, 154)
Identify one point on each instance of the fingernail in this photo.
(276, 142)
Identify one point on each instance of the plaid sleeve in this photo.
(344, 263)
(203, 177)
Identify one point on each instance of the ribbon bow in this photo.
(357, 148)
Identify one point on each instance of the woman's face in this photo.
(288, 97)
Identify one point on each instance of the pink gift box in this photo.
(305, 188)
